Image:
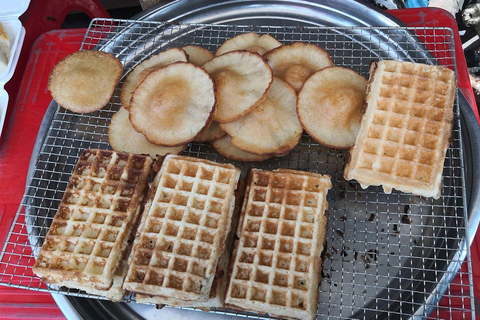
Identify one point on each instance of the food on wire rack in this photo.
(272, 128)
(198, 55)
(159, 60)
(297, 61)
(242, 80)
(216, 298)
(225, 147)
(4, 48)
(406, 128)
(183, 229)
(282, 229)
(250, 41)
(89, 233)
(173, 104)
(84, 81)
(330, 106)
(211, 133)
(122, 137)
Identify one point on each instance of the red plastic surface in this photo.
(26, 115)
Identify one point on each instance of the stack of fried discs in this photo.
(282, 229)
(245, 102)
(86, 245)
(183, 231)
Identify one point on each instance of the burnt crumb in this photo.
(368, 266)
(322, 274)
(372, 253)
(365, 259)
(328, 255)
(335, 285)
(372, 217)
(364, 291)
(344, 253)
(414, 240)
(355, 255)
(348, 248)
(340, 233)
(351, 184)
(342, 195)
(383, 247)
(335, 251)
(382, 230)
(405, 219)
(406, 208)
(343, 218)
(391, 252)
(359, 195)
(395, 227)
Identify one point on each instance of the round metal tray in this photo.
(276, 13)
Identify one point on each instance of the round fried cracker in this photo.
(84, 81)
(270, 129)
(249, 41)
(159, 60)
(211, 133)
(295, 62)
(123, 137)
(242, 79)
(198, 55)
(225, 147)
(329, 106)
(173, 104)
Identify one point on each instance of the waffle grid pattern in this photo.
(89, 233)
(386, 252)
(278, 256)
(183, 232)
(407, 129)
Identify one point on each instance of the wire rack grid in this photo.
(387, 255)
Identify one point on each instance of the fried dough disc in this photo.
(198, 55)
(270, 129)
(84, 81)
(123, 137)
(242, 79)
(159, 60)
(211, 133)
(173, 104)
(225, 147)
(329, 106)
(295, 62)
(249, 41)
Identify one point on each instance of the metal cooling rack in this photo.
(387, 255)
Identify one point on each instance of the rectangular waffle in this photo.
(88, 235)
(183, 229)
(216, 298)
(406, 128)
(276, 269)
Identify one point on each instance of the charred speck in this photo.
(355, 255)
(351, 184)
(328, 255)
(372, 217)
(407, 207)
(340, 233)
(344, 253)
(335, 251)
(395, 227)
(405, 219)
(343, 218)
(382, 230)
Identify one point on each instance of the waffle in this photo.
(216, 298)
(89, 233)
(406, 128)
(282, 229)
(183, 229)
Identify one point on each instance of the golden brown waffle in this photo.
(276, 269)
(88, 235)
(406, 128)
(183, 229)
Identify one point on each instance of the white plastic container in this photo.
(9, 13)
